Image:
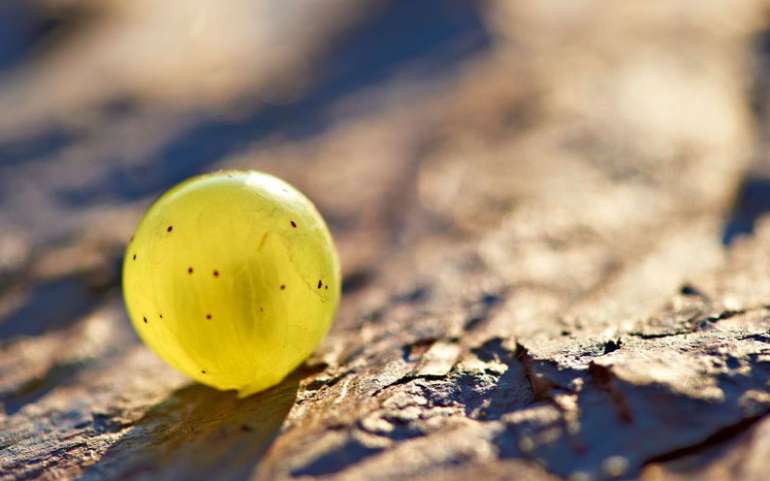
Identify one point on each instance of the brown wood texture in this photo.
(536, 285)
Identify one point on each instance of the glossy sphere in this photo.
(232, 278)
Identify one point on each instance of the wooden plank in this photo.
(535, 284)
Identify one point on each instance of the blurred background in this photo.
(105, 104)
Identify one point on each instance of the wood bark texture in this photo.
(554, 264)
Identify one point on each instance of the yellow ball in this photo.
(232, 278)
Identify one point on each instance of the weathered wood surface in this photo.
(531, 233)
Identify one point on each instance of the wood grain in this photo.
(531, 234)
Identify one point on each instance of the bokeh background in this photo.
(453, 146)
(107, 103)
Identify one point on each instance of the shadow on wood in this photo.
(198, 433)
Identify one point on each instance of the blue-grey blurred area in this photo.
(110, 103)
